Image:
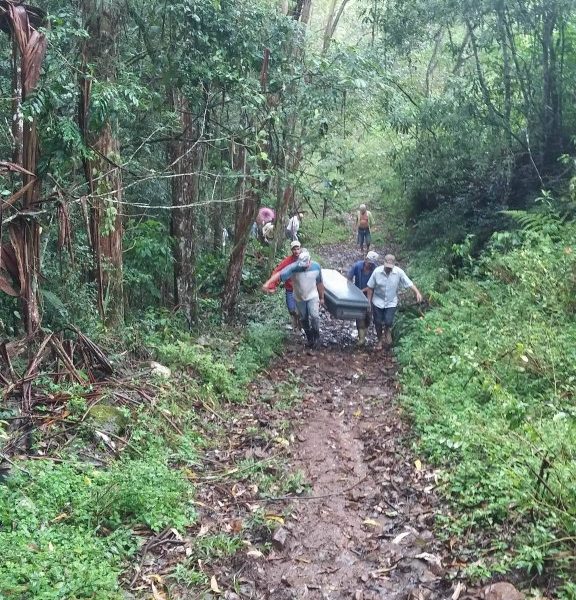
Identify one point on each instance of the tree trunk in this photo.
(29, 47)
(552, 146)
(247, 205)
(102, 171)
(331, 22)
(186, 160)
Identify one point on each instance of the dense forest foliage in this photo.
(140, 139)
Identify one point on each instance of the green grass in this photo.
(496, 407)
(66, 526)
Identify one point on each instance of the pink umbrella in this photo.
(265, 215)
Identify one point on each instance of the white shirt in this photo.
(293, 225)
(268, 231)
(305, 280)
(386, 286)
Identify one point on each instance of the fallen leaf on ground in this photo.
(460, 587)
(157, 595)
(214, 585)
(371, 522)
(276, 518)
(400, 537)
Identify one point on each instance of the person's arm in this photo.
(369, 294)
(350, 274)
(408, 283)
(285, 262)
(417, 292)
(269, 287)
(320, 288)
(320, 284)
(370, 290)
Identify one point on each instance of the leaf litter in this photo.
(363, 527)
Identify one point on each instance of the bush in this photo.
(66, 528)
(496, 408)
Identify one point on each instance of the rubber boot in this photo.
(309, 336)
(295, 322)
(315, 338)
(379, 336)
(361, 337)
(388, 337)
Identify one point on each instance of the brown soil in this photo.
(363, 528)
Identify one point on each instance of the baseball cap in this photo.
(362, 207)
(304, 258)
(372, 255)
(389, 260)
(295, 244)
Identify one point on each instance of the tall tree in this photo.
(102, 171)
(22, 257)
(186, 155)
(247, 203)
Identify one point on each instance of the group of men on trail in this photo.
(304, 289)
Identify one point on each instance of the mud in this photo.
(364, 529)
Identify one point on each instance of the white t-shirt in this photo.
(293, 225)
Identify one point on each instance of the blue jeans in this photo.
(309, 311)
(364, 237)
(290, 302)
(383, 316)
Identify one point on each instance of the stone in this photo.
(279, 538)
(160, 370)
(502, 591)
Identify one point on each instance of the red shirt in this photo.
(283, 264)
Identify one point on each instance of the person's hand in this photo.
(322, 301)
(267, 290)
(418, 297)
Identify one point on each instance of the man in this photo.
(359, 274)
(306, 276)
(383, 296)
(364, 221)
(268, 232)
(293, 226)
(290, 302)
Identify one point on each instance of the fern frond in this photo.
(536, 222)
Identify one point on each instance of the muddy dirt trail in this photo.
(363, 530)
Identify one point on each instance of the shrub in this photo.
(496, 407)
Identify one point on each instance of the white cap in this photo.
(304, 258)
(389, 260)
(295, 244)
(372, 255)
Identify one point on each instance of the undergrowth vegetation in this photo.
(71, 521)
(496, 405)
